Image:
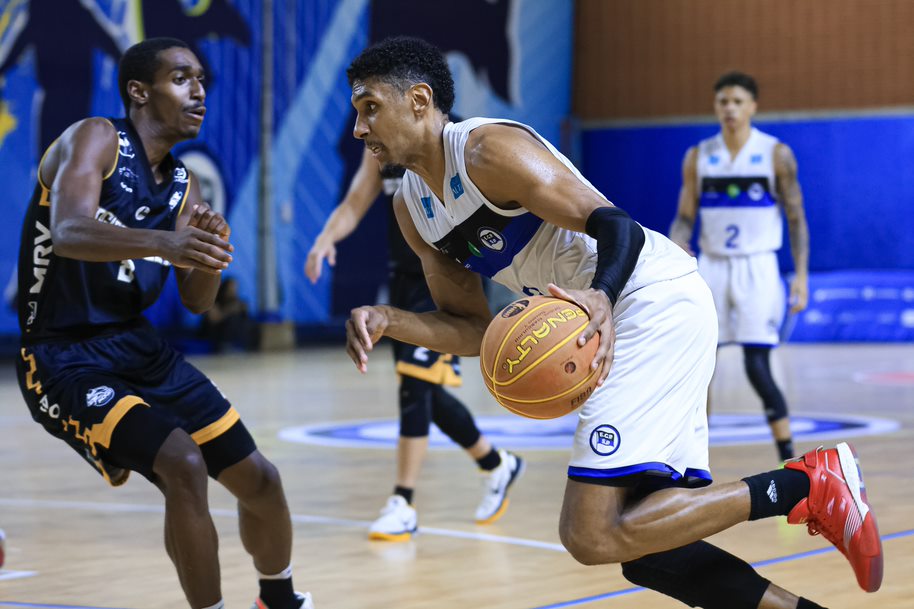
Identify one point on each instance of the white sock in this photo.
(219, 605)
(284, 574)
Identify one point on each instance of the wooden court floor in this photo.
(72, 541)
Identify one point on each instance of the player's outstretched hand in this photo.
(364, 328)
(597, 306)
(320, 250)
(204, 218)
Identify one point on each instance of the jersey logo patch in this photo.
(756, 191)
(99, 396)
(427, 206)
(605, 440)
(180, 176)
(456, 186)
(755, 159)
(141, 213)
(491, 238)
(713, 159)
(124, 147)
(175, 199)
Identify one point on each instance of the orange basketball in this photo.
(531, 361)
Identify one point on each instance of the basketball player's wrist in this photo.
(619, 243)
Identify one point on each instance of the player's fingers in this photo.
(558, 292)
(331, 257)
(213, 240)
(354, 348)
(604, 358)
(360, 324)
(205, 262)
(313, 266)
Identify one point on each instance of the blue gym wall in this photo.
(859, 196)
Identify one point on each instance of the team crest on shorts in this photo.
(605, 440)
(99, 396)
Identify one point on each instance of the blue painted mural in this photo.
(58, 63)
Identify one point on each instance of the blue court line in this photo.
(762, 563)
(46, 606)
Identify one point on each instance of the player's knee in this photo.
(591, 545)
(415, 407)
(454, 419)
(266, 482)
(179, 464)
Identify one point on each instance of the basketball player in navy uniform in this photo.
(490, 196)
(112, 212)
(423, 373)
(738, 181)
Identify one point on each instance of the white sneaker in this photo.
(398, 521)
(497, 482)
(306, 602)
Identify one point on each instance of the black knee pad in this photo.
(454, 419)
(758, 369)
(699, 575)
(227, 449)
(416, 399)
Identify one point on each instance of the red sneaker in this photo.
(2, 547)
(836, 507)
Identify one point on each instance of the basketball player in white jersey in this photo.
(738, 181)
(490, 196)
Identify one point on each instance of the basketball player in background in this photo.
(491, 196)
(113, 210)
(423, 373)
(738, 180)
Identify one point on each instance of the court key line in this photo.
(303, 518)
(135, 508)
(762, 563)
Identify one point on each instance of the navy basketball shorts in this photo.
(410, 292)
(115, 399)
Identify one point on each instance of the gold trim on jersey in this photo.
(30, 381)
(41, 164)
(100, 433)
(117, 151)
(439, 373)
(216, 428)
(190, 177)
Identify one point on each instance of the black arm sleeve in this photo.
(619, 243)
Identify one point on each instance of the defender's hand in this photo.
(364, 328)
(204, 218)
(314, 263)
(191, 247)
(596, 304)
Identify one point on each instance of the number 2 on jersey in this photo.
(732, 234)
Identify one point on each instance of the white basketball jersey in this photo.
(514, 247)
(739, 210)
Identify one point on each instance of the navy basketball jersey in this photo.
(66, 298)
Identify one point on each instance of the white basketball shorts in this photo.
(649, 417)
(749, 297)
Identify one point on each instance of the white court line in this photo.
(7, 574)
(137, 508)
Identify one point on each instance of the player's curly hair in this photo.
(737, 79)
(404, 61)
(141, 61)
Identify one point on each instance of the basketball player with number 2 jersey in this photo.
(738, 181)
